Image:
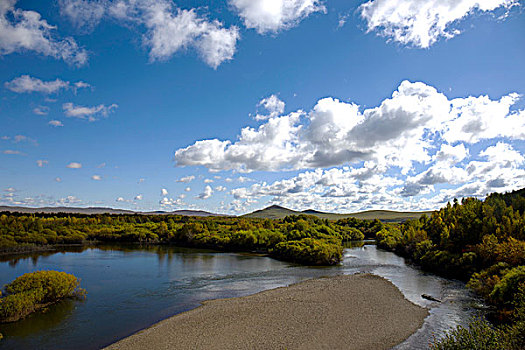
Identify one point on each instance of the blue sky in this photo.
(234, 105)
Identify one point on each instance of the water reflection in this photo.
(43, 320)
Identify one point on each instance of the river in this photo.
(130, 288)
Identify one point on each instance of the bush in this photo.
(507, 287)
(479, 335)
(35, 290)
(310, 251)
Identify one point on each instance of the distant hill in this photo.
(99, 210)
(278, 212)
(272, 212)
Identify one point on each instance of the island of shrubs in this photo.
(33, 291)
(299, 238)
(482, 242)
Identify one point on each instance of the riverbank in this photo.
(357, 311)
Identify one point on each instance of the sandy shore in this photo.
(342, 312)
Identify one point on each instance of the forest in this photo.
(298, 238)
(483, 243)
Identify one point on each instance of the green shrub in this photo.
(479, 335)
(310, 251)
(32, 291)
(507, 287)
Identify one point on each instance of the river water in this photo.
(131, 288)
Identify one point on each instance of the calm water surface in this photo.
(130, 288)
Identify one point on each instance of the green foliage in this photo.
(479, 241)
(479, 335)
(505, 290)
(31, 291)
(21, 231)
(310, 251)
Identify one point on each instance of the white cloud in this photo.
(411, 152)
(451, 154)
(401, 131)
(349, 189)
(208, 181)
(503, 153)
(85, 15)
(208, 191)
(41, 163)
(96, 177)
(186, 179)
(90, 113)
(10, 190)
(74, 165)
(22, 31)
(164, 192)
(170, 202)
(220, 188)
(139, 197)
(187, 189)
(120, 199)
(13, 152)
(58, 179)
(275, 15)
(273, 105)
(28, 84)
(41, 110)
(421, 23)
(68, 200)
(55, 123)
(168, 29)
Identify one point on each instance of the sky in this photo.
(230, 106)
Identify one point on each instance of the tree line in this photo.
(299, 238)
(482, 242)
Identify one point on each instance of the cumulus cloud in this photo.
(41, 163)
(169, 29)
(139, 197)
(401, 131)
(187, 189)
(58, 179)
(421, 23)
(164, 192)
(351, 189)
(208, 181)
(413, 151)
(274, 15)
(220, 188)
(90, 113)
(41, 110)
(170, 202)
(273, 106)
(55, 123)
(208, 191)
(22, 31)
(74, 165)
(96, 177)
(28, 84)
(186, 179)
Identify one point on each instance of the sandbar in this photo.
(361, 311)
